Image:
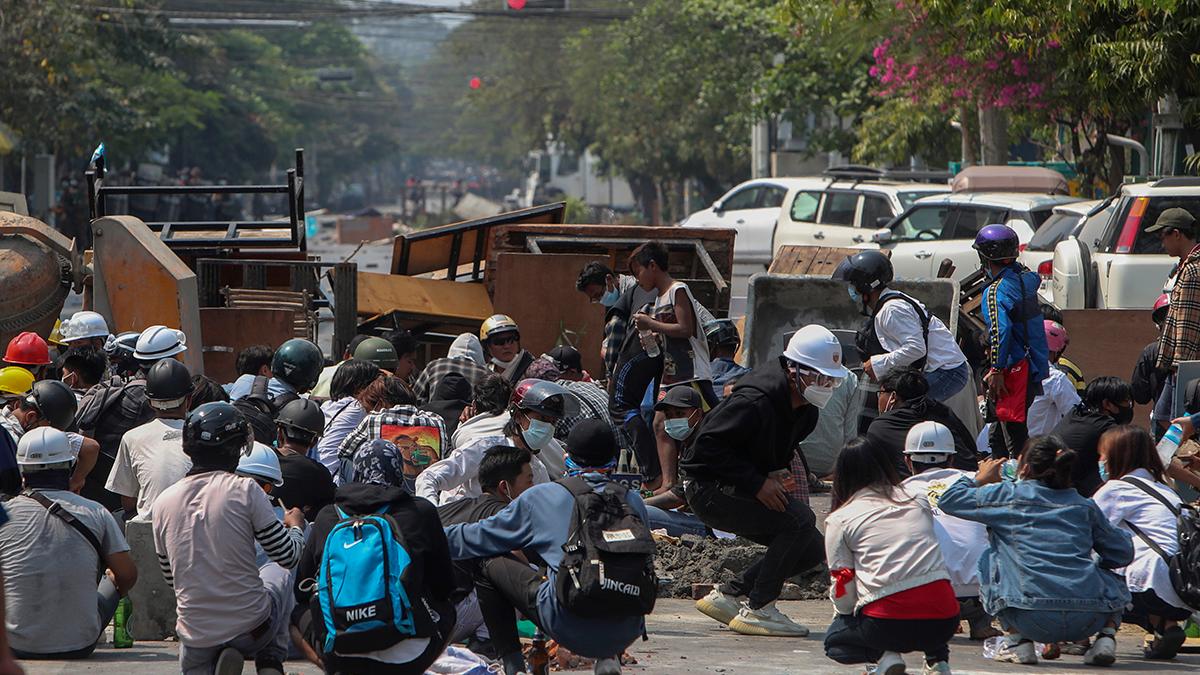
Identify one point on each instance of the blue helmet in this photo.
(997, 242)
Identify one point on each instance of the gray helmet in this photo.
(548, 398)
(302, 415)
(722, 332)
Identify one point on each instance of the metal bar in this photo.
(165, 233)
(314, 264)
(533, 243)
(345, 310)
(201, 225)
(208, 283)
(90, 178)
(192, 189)
(480, 241)
(291, 182)
(299, 197)
(452, 263)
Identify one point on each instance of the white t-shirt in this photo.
(1123, 503)
(962, 541)
(898, 328)
(1047, 409)
(664, 310)
(149, 460)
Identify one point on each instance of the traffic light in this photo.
(535, 4)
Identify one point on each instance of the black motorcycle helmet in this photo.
(168, 382)
(215, 435)
(54, 401)
(298, 362)
(722, 333)
(866, 271)
(302, 416)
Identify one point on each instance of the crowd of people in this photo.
(364, 513)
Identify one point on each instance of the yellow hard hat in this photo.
(15, 381)
(495, 325)
(56, 334)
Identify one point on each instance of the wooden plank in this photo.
(812, 260)
(386, 293)
(1108, 342)
(429, 250)
(227, 331)
(538, 292)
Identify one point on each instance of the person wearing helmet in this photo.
(535, 407)
(205, 530)
(262, 466)
(49, 403)
(295, 368)
(1147, 380)
(119, 349)
(419, 434)
(900, 331)
(29, 351)
(904, 402)
(928, 451)
(83, 368)
(307, 484)
(464, 357)
(15, 382)
(735, 474)
(723, 342)
(321, 390)
(378, 351)
(501, 341)
(55, 608)
(150, 457)
(85, 329)
(1058, 391)
(1073, 372)
(157, 343)
(1017, 353)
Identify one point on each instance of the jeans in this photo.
(505, 584)
(793, 542)
(676, 523)
(946, 382)
(107, 598)
(1051, 625)
(863, 639)
(269, 646)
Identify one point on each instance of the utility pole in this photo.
(1167, 125)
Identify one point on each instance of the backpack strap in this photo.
(1153, 493)
(1149, 542)
(57, 510)
(922, 316)
(259, 388)
(577, 486)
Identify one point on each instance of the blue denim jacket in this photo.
(1040, 547)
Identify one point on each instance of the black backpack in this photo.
(261, 409)
(112, 408)
(607, 568)
(1184, 565)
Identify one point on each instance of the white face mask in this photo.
(818, 396)
(505, 364)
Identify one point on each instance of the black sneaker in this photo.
(1164, 647)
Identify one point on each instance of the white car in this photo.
(1067, 220)
(844, 212)
(1117, 265)
(941, 227)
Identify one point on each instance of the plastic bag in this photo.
(991, 647)
(459, 661)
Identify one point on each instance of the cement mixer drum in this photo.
(35, 276)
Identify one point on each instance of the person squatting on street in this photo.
(735, 470)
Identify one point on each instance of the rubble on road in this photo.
(689, 559)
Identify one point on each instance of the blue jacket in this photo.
(1015, 330)
(1040, 547)
(539, 520)
(725, 371)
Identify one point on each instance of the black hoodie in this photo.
(751, 433)
(891, 429)
(424, 539)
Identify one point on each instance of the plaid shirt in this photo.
(439, 368)
(593, 405)
(371, 428)
(614, 336)
(1180, 337)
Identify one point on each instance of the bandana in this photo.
(379, 463)
(574, 469)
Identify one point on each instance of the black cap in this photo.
(566, 357)
(591, 443)
(680, 396)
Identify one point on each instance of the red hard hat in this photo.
(1163, 301)
(27, 349)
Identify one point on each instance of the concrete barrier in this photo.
(153, 600)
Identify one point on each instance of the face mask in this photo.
(678, 428)
(538, 435)
(505, 364)
(610, 297)
(818, 396)
(1124, 415)
(1103, 471)
(854, 294)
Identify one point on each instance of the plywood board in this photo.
(538, 292)
(385, 293)
(817, 261)
(226, 332)
(1108, 342)
(429, 250)
(140, 282)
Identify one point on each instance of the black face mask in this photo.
(1124, 414)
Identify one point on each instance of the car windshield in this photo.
(1055, 229)
(907, 198)
(923, 222)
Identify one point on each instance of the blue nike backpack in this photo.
(361, 586)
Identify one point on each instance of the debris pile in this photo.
(683, 561)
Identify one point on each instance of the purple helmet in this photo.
(997, 242)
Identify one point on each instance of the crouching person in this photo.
(55, 547)
(890, 586)
(576, 526)
(205, 528)
(1039, 577)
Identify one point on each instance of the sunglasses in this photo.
(505, 340)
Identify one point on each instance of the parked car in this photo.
(944, 226)
(1118, 265)
(1066, 220)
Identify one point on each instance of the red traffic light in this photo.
(516, 4)
(475, 83)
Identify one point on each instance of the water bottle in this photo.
(1169, 445)
(538, 657)
(121, 637)
(1008, 471)
(649, 343)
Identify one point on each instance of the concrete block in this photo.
(153, 600)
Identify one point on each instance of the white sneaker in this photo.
(719, 606)
(1103, 651)
(766, 620)
(890, 663)
(229, 662)
(939, 668)
(1022, 652)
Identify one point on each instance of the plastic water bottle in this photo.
(1008, 471)
(538, 657)
(121, 637)
(649, 343)
(1169, 445)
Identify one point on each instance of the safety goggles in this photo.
(812, 378)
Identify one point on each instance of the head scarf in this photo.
(379, 463)
(543, 368)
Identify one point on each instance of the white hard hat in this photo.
(261, 463)
(929, 443)
(44, 446)
(83, 325)
(815, 347)
(159, 342)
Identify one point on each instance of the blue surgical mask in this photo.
(538, 435)
(1103, 468)
(678, 428)
(854, 294)
(610, 297)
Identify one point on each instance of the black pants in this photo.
(645, 446)
(793, 542)
(1146, 603)
(349, 665)
(503, 585)
(864, 639)
(1007, 439)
